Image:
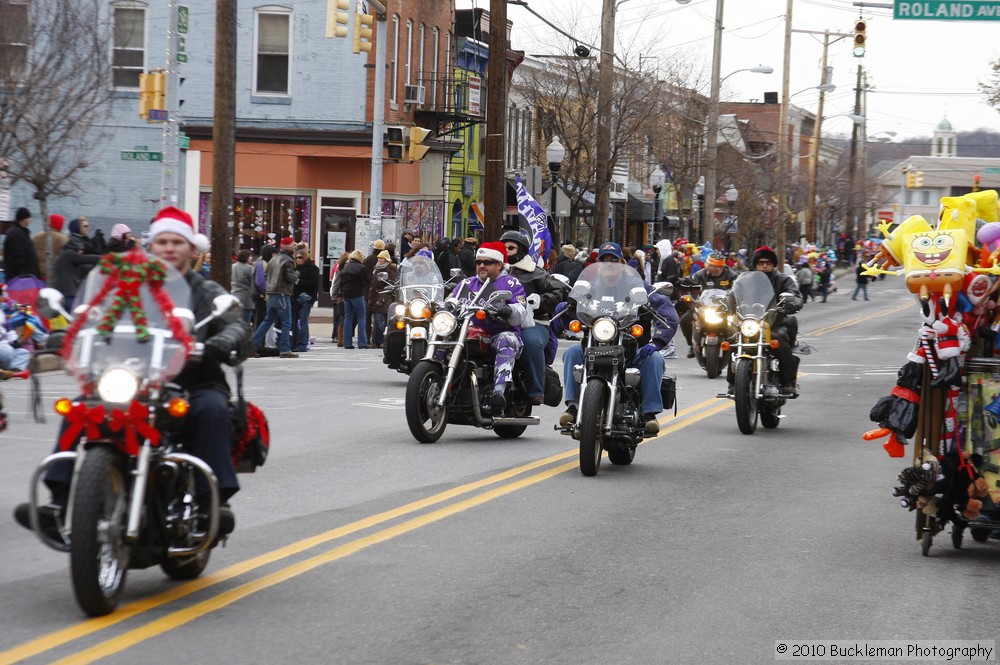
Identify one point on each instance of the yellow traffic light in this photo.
(918, 179)
(337, 18)
(417, 149)
(363, 32)
(975, 183)
(160, 90)
(146, 95)
(859, 38)
(911, 179)
(395, 141)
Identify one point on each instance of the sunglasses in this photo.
(512, 248)
(765, 263)
(608, 259)
(485, 263)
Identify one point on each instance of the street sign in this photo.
(947, 10)
(992, 169)
(184, 141)
(159, 114)
(182, 57)
(182, 19)
(141, 156)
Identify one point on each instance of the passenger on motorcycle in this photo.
(503, 326)
(715, 275)
(648, 359)
(542, 294)
(208, 431)
(786, 327)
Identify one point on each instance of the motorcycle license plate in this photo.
(711, 339)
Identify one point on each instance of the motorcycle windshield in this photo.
(712, 297)
(157, 359)
(615, 290)
(753, 294)
(419, 277)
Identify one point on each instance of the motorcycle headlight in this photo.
(118, 385)
(400, 310)
(711, 315)
(444, 323)
(604, 330)
(750, 328)
(417, 307)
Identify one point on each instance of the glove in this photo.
(644, 353)
(502, 311)
(216, 351)
(534, 300)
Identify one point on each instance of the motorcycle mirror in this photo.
(786, 294)
(663, 288)
(561, 278)
(185, 315)
(226, 307)
(53, 298)
(639, 296)
(455, 272)
(501, 295)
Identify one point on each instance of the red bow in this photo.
(135, 421)
(80, 418)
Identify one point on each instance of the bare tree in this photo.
(992, 88)
(55, 87)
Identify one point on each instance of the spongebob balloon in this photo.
(934, 262)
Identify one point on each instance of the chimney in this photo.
(770, 98)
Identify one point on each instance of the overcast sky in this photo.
(922, 71)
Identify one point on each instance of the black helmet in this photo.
(518, 237)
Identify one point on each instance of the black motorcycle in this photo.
(420, 284)
(709, 330)
(447, 386)
(609, 299)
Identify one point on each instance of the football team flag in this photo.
(533, 220)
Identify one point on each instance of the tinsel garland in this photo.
(126, 273)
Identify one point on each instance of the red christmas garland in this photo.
(87, 421)
(126, 275)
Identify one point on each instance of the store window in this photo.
(260, 219)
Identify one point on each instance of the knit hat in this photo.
(472, 240)
(287, 242)
(119, 231)
(764, 252)
(716, 259)
(175, 220)
(56, 222)
(22, 213)
(379, 245)
(493, 251)
(384, 255)
(568, 250)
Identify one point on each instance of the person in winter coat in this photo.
(862, 280)
(337, 296)
(260, 284)
(242, 283)
(354, 280)
(467, 257)
(379, 298)
(80, 227)
(19, 255)
(825, 273)
(786, 327)
(804, 278)
(122, 239)
(306, 293)
(669, 271)
(281, 278)
(567, 264)
(70, 269)
(49, 243)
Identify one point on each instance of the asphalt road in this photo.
(355, 544)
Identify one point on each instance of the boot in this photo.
(340, 336)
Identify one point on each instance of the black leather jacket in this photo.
(221, 336)
(724, 281)
(536, 280)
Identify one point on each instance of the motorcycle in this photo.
(445, 387)
(709, 330)
(132, 498)
(756, 387)
(609, 298)
(420, 284)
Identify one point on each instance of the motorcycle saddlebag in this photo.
(553, 388)
(252, 438)
(668, 392)
(395, 347)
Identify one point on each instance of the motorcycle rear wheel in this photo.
(426, 420)
(770, 416)
(591, 417)
(98, 554)
(186, 568)
(713, 364)
(621, 456)
(514, 431)
(746, 398)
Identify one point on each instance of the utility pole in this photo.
(712, 129)
(224, 140)
(378, 115)
(852, 207)
(782, 171)
(814, 151)
(170, 148)
(495, 189)
(605, 92)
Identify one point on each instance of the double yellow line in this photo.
(178, 618)
(858, 319)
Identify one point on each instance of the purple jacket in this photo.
(471, 286)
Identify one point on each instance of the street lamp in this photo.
(699, 196)
(656, 180)
(555, 152)
(732, 194)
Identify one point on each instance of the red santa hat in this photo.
(175, 220)
(56, 222)
(493, 251)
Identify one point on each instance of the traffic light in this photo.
(146, 95)
(395, 141)
(363, 32)
(159, 90)
(417, 148)
(975, 183)
(911, 179)
(859, 38)
(337, 18)
(918, 179)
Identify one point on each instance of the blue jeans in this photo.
(532, 358)
(279, 308)
(862, 286)
(300, 336)
(378, 328)
(354, 312)
(651, 371)
(14, 359)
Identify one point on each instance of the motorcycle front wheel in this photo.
(424, 417)
(98, 554)
(713, 361)
(591, 416)
(746, 396)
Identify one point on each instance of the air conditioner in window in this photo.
(414, 94)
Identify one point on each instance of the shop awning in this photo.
(640, 207)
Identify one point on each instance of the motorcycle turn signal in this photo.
(575, 326)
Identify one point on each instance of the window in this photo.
(420, 56)
(13, 32)
(272, 60)
(434, 70)
(409, 49)
(393, 88)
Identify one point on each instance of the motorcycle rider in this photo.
(503, 327)
(207, 430)
(786, 327)
(542, 295)
(715, 275)
(647, 358)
